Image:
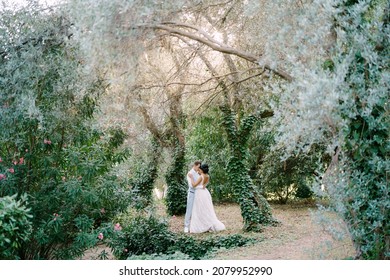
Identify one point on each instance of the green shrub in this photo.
(50, 147)
(199, 249)
(289, 178)
(303, 191)
(15, 225)
(142, 235)
(148, 237)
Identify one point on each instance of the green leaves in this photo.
(145, 177)
(176, 198)
(255, 210)
(15, 225)
(205, 140)
(148, 237)
(49, 147)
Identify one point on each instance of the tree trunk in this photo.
(255, 209)
(143, 182)
(176, 199)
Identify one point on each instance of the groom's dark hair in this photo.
(197, 162)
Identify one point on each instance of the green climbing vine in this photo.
(255, 210)
(144, 179)
(177, 186)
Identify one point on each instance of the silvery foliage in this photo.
(113, 44)
(321, 103)
(24, 33)
(318, 105)
(298, 41)
(108, 29)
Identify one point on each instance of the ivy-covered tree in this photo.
(255, 210)
(340, 98)
(142, 182)
(362, 177)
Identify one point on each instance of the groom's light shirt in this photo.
(195, 176)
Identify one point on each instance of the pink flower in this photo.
(2, 176)
(100, 236)
(11, 170)
(55, 216)
(47, 142)
(15, 162)
(102, 211)
(1, 160)
(125, 250)
(21, 160)
(117, 226)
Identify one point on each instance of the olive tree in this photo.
(339, 97)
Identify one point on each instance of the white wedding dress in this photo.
(203, 216)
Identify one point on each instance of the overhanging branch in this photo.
(203, 38)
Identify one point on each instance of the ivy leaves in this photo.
(255, 210)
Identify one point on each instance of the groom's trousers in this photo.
(190, 203)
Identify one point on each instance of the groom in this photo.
(191, 194)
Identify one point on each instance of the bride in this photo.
(203, 216)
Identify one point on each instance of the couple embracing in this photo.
(200, 215)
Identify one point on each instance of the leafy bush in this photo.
(304, 191)
(148, 237)
(289, 178)
(143, 234)
(204, 142)
(198, 249)
(15, 225)
(50, 147)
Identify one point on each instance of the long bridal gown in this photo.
(203, 216)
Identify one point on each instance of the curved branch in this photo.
(213, 44)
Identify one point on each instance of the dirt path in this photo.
(297, 237)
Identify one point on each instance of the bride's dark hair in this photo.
(204, 167)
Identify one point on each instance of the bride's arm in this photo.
(193, 183)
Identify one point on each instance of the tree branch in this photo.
(212, 43)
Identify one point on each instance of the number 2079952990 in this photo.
(245, 270)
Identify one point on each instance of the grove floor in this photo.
(297, 237)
